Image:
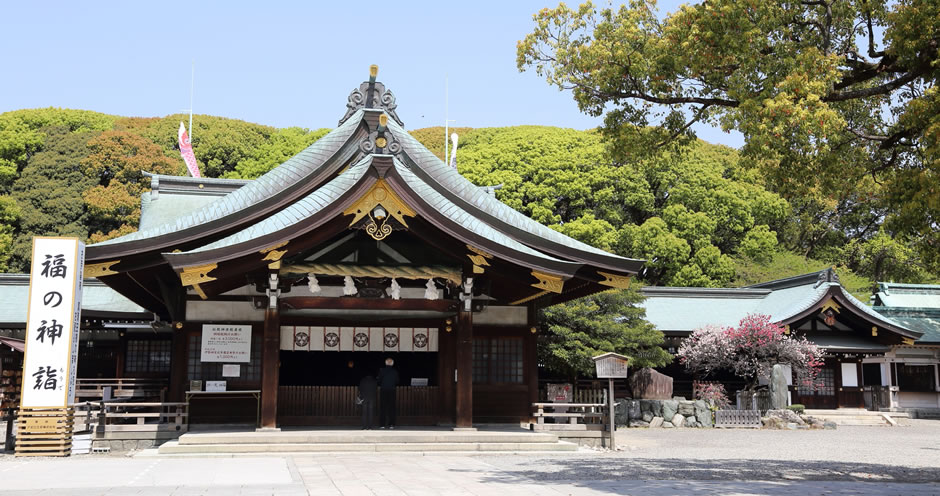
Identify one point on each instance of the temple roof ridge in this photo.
(447, 181)
(303, 164)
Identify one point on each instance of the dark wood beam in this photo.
(354, 303)
(128, 287)
(464, 369)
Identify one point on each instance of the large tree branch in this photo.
(685, 127)
(674, 100)
(841, 96)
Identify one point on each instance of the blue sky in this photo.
(283, 64)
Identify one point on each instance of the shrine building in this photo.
(361, 247)
(885, 357)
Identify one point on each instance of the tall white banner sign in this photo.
(53, 319)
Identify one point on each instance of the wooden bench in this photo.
(741, 419)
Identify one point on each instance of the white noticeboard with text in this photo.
(226, 343)
(52, 326)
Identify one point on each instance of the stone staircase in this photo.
(295, 442)
(852, 416)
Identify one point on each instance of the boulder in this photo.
(778, 387)
(620, 413)
(686, 408)
(773, 422)
(786, 415)
(639, 423)
(646, 406)
(656, 422)
(647, 416)
(668, 425)
(690, 421)
(633, 409)
(703, 415)
(829, 425)
(677, 420)
(670, 408)
(656, 407)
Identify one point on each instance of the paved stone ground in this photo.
(861, 460)
(849, 453)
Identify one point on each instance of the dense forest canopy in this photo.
(837, 100)
(698, 214)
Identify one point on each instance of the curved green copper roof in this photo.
(298, 167)
(450, 180)
(299, 210)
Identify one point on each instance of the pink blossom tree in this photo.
(750, 351)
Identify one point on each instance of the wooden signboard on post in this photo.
(611, 366)
(52, 331)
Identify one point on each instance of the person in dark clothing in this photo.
(388, 381)
(367, 390)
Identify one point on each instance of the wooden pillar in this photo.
(530, 361)
(179, 364)
(446, 363)
(270, 358)
(464, 368)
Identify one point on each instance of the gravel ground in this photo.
(849, 453)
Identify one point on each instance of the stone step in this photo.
(364, 437)
(854, 413)
(175, 448)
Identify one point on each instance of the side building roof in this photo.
(914, 305)
(98, 300)
(682, 310)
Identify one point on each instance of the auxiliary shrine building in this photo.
(882, 357)
(361, 247)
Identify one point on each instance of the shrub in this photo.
(798, 408)
(712, 393)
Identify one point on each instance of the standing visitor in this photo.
(388, 381)
(367, 390)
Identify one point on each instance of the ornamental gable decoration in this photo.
(52, 328)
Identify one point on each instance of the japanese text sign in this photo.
(226, 343)
(53, 319)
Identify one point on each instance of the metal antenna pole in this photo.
(192, 83)
(446, 122)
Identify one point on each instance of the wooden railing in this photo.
(125, 416)
(93, 389)
(570, 413)
(313, 405)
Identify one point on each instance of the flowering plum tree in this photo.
(750, 351)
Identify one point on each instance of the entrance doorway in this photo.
(823, 395)
(321, 387)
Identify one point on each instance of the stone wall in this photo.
(677, 412)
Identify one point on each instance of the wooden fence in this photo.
(336, 405)
(748, 419)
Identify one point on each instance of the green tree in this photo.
(219, 144)
(49, 193)
(20, 135)
(114, 166)
(611, 321)
(687, 210)
(282, 145)
(9, 218)
(826, 93)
